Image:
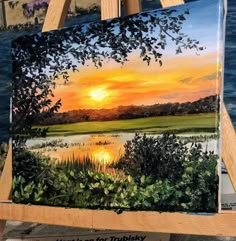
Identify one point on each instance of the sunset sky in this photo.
(185, 77)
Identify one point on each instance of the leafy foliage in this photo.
(167, 158)
(200, 188)
(192, 185)
(156, 157)
(32, 167)
(39, 60)
(33, 174)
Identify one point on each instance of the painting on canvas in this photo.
(121, 114)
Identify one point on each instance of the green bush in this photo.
(96, 190)
(159, 157)
(199, 183)
(28, 192)
(32, 173)
(30, 165)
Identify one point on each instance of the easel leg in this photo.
(110, 9)
(6, 178)
(5, 185)
(58, 11)
(169, 3)
(132, 6)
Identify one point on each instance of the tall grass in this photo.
(87, 163)
(79, 164)
(198, 138)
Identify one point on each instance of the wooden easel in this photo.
(222, 224)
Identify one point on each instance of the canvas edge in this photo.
(221, 48)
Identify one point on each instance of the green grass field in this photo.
(178, 124)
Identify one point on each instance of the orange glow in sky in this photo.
(180, 79)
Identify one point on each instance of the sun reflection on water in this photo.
(100, 149)
(103, 155)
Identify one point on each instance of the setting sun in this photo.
(98, 94)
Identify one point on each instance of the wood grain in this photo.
(110, 9)
(5, 185)
(6, 178)
(229, 146)
(132, 6)
(169, 3)
(56, 14)
(219, 224)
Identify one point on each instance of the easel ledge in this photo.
(222, 224)
(216, 225)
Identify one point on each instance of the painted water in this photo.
(104, 149)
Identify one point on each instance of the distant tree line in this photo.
(204, 105)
